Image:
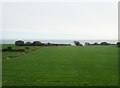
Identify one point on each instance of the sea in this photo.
(60, 41)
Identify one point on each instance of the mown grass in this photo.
(63, 66)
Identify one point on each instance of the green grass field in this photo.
(63, 66)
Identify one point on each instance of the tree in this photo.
(95, 43)
(80, 45)
(9, 48)
(118, 44)
(87, 43)
(104, 43)
(28, 43)
(37, 43)
(77, 43)
(19, 43)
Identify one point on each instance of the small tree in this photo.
(118, 44)
(80, 45)
(37, 43)
(104, 43)
(95, 43)
(28, 43)
(9, 48)
(87, 43)
(19, 43)
(76, 43)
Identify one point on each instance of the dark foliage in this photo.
(118, 44)
(9, 48)
(37, 43)
(28, 43)
(13, 50)
(87, 43)
(104, 43)
(95, 43)
(80, 45)
(19, 43)
(77, 43)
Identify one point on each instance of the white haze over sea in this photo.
(60, 41)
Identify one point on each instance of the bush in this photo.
(80, 45)
(87, 43)
(77, 43)
(9, 48)
(104, 43)
(95, 43)
(118, 44)
(36, 43)
(14, 50)
(19, 43)
(28, 43)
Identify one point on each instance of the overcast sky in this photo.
(60, 20)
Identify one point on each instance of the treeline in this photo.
(38, 43)
(77, 43)
(102, 43)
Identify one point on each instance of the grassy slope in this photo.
(47, 66)
(8, 54)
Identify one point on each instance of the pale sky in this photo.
(60, 20)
